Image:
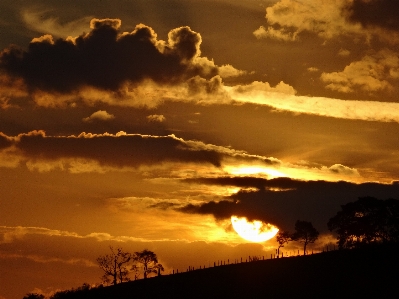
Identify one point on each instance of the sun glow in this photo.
(252, 170)
(255, 231)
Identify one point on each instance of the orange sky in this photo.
(148, 124)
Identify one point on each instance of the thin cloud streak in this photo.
(12, 233)
(322, 106)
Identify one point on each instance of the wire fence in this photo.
(277, 255)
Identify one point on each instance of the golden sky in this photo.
(149, 123)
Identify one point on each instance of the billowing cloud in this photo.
(228, 70)
(281, 87)
(107, 59)
(99, 115)
(288, 19)
(282, 201)
(373, 73)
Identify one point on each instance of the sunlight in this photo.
(255, 231)
(251, 170)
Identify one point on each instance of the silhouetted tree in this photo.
(33, 296)
(305, 233)
(282, 237)
(149, 261)
(116, 266)
(367, 220)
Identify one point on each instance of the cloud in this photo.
(44, 259)
(228, 70)
(12, 233)
(5, 141)
(156, 118)
(197, 86)
(313, 69)
(99, 115)
(37, 21)
(107, 59)
(372, 73)
(287, 19)
(281, 87)
(344, 52)
(101, 152)
(282, 201)
(374, 13)
(342, 169)
(283, 98)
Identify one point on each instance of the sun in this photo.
(255, 231)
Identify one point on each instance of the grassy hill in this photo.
(363, 273)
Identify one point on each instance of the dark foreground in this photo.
(365, 273)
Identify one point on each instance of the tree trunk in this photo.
(115, 272)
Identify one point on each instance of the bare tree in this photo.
(282, 237)
(305, 233)
(116, 265)
(149, 260)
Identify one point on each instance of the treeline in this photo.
(366, 221)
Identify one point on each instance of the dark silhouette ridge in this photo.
(370, 272)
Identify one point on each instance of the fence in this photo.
(256, 258)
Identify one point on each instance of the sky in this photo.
(148, 124)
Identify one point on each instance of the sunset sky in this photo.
(148, 124)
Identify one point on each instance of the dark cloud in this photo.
(282, 201)
(378, 13)
(130, 150)
(116, 150)
(5, 141)
(106, 58)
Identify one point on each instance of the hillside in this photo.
(361, 273)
